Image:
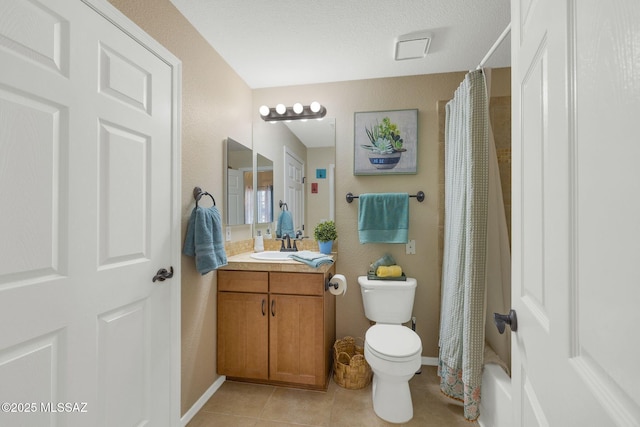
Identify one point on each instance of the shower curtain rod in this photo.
(494, 47)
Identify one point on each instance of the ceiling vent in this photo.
(412, 46)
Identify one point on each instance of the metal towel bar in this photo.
(420, 196)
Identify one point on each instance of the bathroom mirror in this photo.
(239, 183)
(312, 142)
(264, 190)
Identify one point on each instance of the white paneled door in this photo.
(88, 190)
(576, 226)
(294, 188)
(235, 197)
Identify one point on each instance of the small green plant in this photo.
(325, 231)
(385, 138)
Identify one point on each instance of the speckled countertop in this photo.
(244, 261)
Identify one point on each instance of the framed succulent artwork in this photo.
(386, 142)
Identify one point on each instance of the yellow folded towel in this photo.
(389, 271)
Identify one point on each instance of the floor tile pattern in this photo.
(244, 404)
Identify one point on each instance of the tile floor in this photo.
(244, 404)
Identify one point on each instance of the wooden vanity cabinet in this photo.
(296, 335)
(296, 346)
(243, 324)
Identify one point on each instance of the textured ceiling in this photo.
(272, 43)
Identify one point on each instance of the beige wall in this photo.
(216, 103)
(342, 100)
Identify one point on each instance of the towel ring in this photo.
(198, 193)
(281, 204)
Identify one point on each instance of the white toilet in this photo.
(393, 351)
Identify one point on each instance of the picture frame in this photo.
(385, 142)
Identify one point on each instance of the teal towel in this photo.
(313, 259)
(285, 225)
(386, 260)
(204, 239)
(383, 218)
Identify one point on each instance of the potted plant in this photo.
(325, 233)
(386, 144)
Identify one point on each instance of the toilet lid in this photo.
(393, 340)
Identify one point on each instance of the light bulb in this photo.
(264, 110)
(281, 109)
(297, 108)
(315, 106)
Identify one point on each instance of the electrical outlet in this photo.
(228, 234)
(411, 247)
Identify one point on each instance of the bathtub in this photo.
(495, 402)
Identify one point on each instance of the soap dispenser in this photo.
(258, 244)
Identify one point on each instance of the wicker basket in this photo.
(350, 369)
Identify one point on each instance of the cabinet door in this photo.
(243, 334)
(297, 341)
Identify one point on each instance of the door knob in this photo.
(506, 319)
(163, 275)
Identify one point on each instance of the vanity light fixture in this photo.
(297, 112)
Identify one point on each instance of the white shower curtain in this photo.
(465, 243)
(498, 293)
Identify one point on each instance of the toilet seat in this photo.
(393, 342)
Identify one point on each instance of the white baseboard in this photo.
(200, 402)
(430, 361)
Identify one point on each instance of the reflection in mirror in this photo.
(239, 183)
(313, 143)
(264, 190)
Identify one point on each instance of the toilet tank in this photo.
(388, 301)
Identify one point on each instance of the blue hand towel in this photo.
(313, 259)
(383, 218)
(204, 239)
(285, 225)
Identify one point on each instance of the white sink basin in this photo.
(271, 255)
